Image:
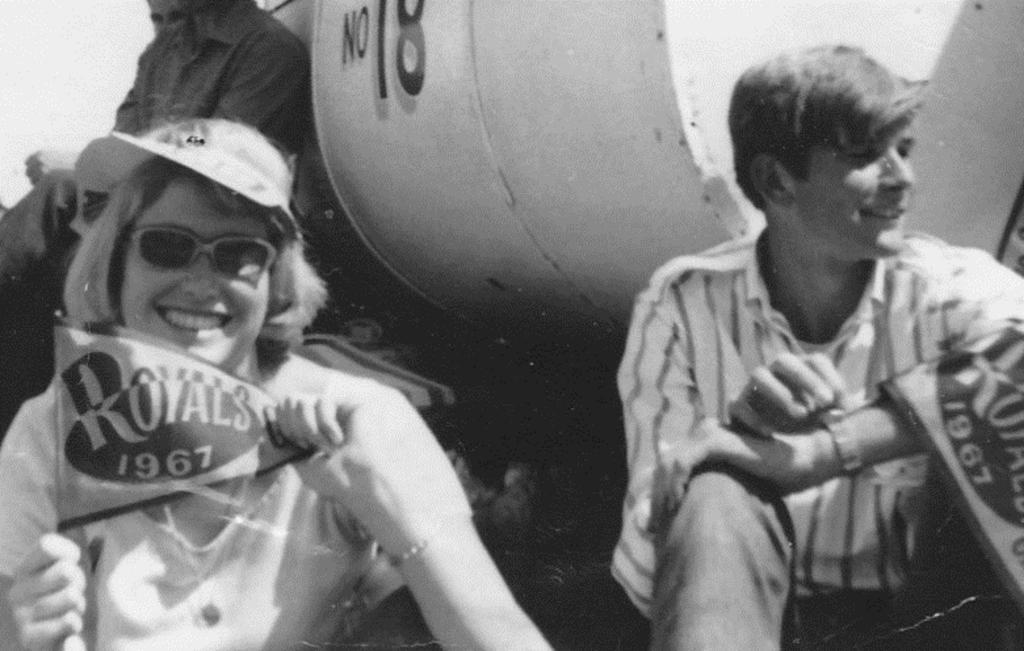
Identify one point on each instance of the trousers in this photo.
(722, 577)
(724, 580)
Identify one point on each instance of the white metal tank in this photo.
(527, 164)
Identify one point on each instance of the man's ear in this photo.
(772, 180)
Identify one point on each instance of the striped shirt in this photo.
(705, 322)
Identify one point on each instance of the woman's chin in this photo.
(213, 346)
(228, 349)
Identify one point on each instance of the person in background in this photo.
(209, 58)
(777, 494)
(198, 249)
(225, 59)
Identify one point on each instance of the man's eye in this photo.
(904, 148)
(862, 158)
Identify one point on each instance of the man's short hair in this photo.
(832, 96)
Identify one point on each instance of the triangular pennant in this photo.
(141, 423)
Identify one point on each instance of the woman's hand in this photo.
(789, 395)
(48, 596)
(376, 456)
(379, 459)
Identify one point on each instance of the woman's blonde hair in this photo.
(92, 288)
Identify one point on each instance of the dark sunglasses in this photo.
(168, 247)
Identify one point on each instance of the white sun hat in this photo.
(233, 155)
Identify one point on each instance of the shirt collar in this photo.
(757, 291)
(876, 286)
(225, 20)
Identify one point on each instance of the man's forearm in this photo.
(881, 433)
(797, 461)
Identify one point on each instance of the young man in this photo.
(794, 334)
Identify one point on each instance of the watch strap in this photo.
(847, 448)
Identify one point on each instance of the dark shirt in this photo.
(230, 60)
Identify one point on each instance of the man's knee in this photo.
(727, 523)
(38, 226)
(725, 507)
(723, 566)
(54, 190)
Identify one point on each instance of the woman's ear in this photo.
(772, 180)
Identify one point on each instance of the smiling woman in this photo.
(199, 252)
(214, 315)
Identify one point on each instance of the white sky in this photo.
(65, 65)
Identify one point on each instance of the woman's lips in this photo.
(193, 320)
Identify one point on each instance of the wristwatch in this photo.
(846, 446)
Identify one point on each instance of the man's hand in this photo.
(791, 462)
(48, 596)
(789, 395)
(707, 441)
(45, 161)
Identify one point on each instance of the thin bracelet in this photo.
(416, 549)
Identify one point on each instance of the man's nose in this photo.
(896, 168)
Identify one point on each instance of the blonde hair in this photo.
(92, 288)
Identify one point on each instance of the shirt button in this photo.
(210, 614)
